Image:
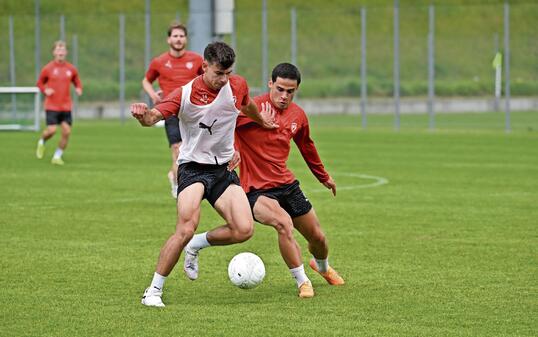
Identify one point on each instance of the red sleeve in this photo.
(42, 80)
(200, 70)
(309, 152)
(243, 120)
(152, 73)
(171, 104)
(76, 80)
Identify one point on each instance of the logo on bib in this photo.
(208, 127)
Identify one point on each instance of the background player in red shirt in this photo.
(207, 108)
(173, 69)
(273, 192)
(54, 81)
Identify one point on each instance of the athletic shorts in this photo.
(289, 196)
(57, 117)
(171, 125)
(216, 179)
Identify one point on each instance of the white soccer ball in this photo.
(246, 270)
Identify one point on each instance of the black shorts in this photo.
(216, 179)
(171, 124)
(57, 117)
(289, 196)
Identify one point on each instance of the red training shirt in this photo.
(58, 76)
(264, 152)
(174, 72)
(201, 95)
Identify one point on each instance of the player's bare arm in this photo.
(144, 115)
(266, 117)
(148, 87)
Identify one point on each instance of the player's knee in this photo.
(185, 231)
(243, 233)
(283, 226)
(51, 129)
(318, 237)
(66, 132)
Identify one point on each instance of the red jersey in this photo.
(202, 95)
(174, 72)
(58, 76)
(264, 152)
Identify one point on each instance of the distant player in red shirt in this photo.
(173, 69)
(55, 81)
(273, 192)
(207, 108)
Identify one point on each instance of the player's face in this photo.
(59, 53)
(214, 76)
(177, 40)
(281, 92)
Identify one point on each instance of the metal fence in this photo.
(358, 52)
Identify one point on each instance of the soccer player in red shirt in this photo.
(274, 194)
(173, 69)
(54, 81)
(207, 108)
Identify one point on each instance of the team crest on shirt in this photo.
(55, 72)
(168, 64)
(189, 65)
(68, 73)
(293, 127)
(204, 98)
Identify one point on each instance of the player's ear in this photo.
(270, 84)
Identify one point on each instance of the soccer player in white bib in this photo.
(207, 108)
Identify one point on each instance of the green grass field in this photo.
(448, 247)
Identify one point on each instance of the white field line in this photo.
(377, 181)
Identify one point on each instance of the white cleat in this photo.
(153, 297)
(190, 266)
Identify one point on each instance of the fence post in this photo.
(294, 36)
(37, 34)
(396, 65)
(431, 67)
(122, 68)
(363, 68)
(12, 75)
(265, 47)
(75, 63)
(62, 28)
(507, 64)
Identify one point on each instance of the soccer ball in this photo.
(246, 270)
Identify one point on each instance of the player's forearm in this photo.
(251, 110)
(148, 87)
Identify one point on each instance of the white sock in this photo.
(41, 141)
(198, 241)
(299, 275)
(158, 281)
(58, 153)
(323, 265)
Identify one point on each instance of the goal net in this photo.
(19, 108)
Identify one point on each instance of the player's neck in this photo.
(59, 61)
(176, 53)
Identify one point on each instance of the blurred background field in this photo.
(467, 35)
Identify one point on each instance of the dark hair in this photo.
(286, 70)
(176, 25)
(219, 53)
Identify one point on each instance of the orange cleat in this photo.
(306, 290)
(331, 275)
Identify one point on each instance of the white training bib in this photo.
(207, 131)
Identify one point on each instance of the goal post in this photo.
(19, 108)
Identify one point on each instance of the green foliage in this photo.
(328, 37)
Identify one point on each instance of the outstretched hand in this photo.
(268, 115)
(139, 110)
(330, 184)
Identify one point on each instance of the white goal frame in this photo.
(37, 107)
